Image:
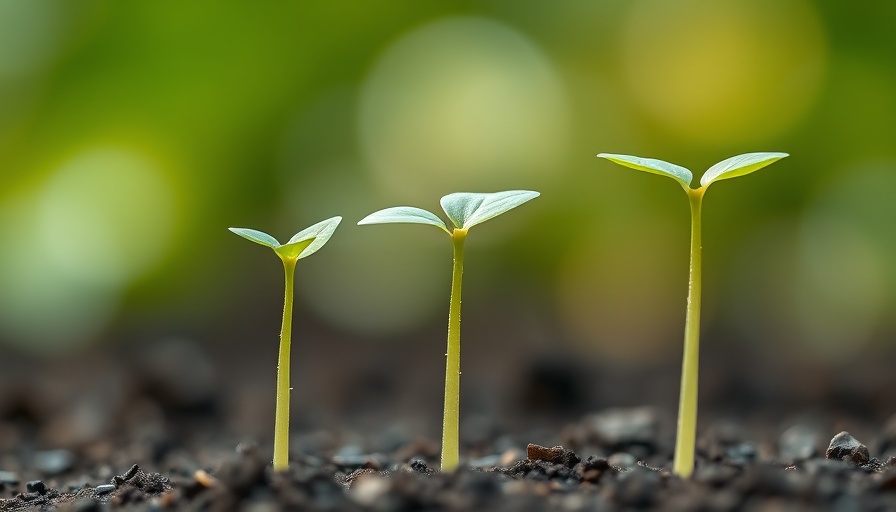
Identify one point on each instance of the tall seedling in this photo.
(730, 168)
(464, 210)
(303, 244)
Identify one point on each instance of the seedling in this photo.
(730, 168)
(303, 244)
(464, 210)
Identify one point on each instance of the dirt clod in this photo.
(554, 455)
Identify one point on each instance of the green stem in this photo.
(281, 416)
(451, 419)
(683, 465)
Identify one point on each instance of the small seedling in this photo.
(730, 168)
(303, 244)
(464, 210)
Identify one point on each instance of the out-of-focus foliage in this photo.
(133, 133)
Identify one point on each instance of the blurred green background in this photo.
(132, 134)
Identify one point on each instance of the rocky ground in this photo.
(165, 431)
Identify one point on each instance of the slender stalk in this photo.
(281, 415)
(451, 418)
(683, 465)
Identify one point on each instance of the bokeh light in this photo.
(721, 72)
(95, 224)
(462, 103)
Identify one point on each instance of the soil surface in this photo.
(174, 428)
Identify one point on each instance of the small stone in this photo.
(37, 486)
(204, 479)
(798, 443)
(554, 455)
(103, 489)
(844, 446)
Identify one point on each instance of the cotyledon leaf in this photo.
(259, 237)
(739, 165)
(404, 214)
(652, 165)
(317, 235)
(304, 243)
(466, 209)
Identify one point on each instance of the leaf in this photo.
(466, 209)
(739, 165)
(404, 214)
(651, 165)
(259, 237)
(316, 236)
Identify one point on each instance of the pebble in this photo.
(103, 489)
(37, 486)
(843, 446)
(204, 479)
(798, 443)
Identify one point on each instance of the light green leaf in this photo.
(315, 236)
(259, 237)
(404, 214)
(739, 165)
(466, 209)
(651, 165)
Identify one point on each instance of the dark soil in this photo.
(142, 433)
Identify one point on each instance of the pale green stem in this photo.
(281, 415)
(685, 440)
(451, 418)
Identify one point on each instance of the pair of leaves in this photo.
(303, 244)
(464, 210)
(729, 168)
